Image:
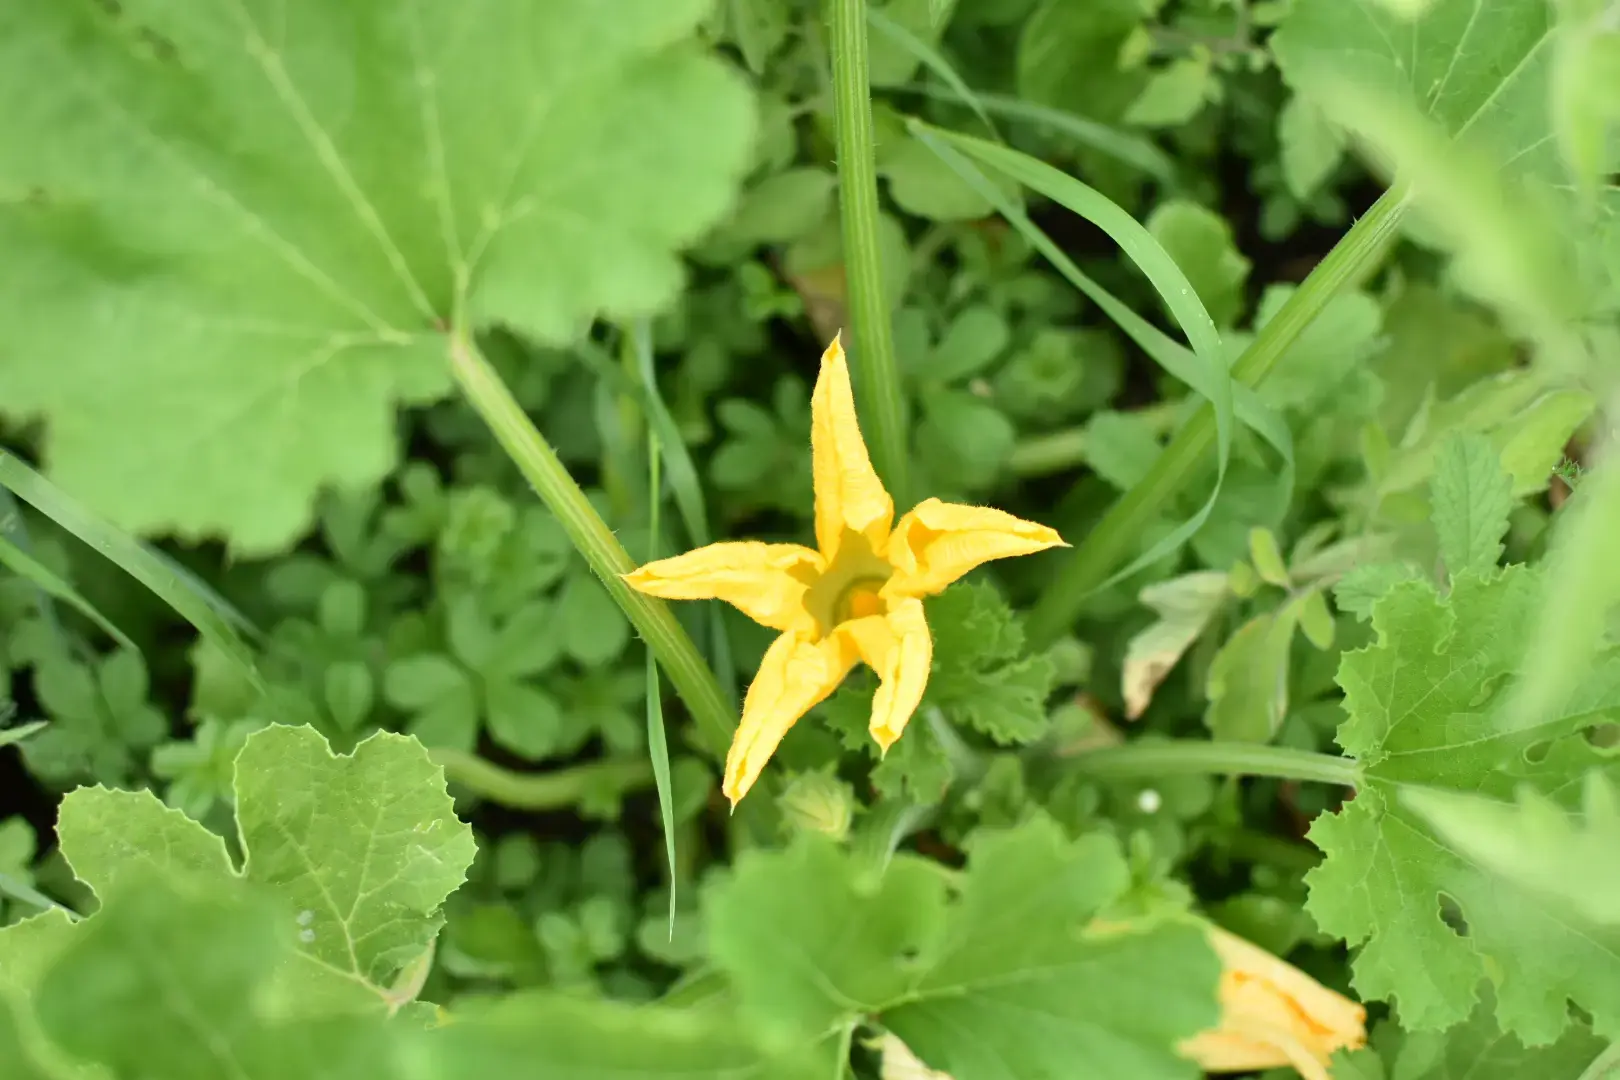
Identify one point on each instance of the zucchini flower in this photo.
(1273, 1015)
(854, 598)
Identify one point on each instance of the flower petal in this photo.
(795, 676)
(766, 582)
(900, 649)
(937, 542)
(849, 494)
(1273, 1014)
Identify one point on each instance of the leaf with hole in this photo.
(1421, 715)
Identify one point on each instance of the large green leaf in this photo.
(362, 850)
(1476, 69)
(1478, 1050)
(168, 982)
(1455, 102)
(235, 232)
(1006, 982)
(1539, 844)
(1420, 715)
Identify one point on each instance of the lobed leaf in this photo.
(269, 213)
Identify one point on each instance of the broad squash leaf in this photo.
(236, 233)
(362, 850)
(1420, 714)
(1007, 981)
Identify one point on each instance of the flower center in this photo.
(861, 599)
(852, 586)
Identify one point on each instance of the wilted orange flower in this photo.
(1272, 1015)
(857, 598)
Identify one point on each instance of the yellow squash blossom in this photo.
(1273, 1015)
(857, 598)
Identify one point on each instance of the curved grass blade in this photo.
(20, 732)
(684, 484)
(687, 490)
(26, 566)
(657, 736)
(27, 894)
(174, 587)
(1352, 258)
(1165, 351)
(1205, 373)
(13, 528)
(930, 58)
(1122, 146)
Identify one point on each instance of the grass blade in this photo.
(1122, 146)
(592, 538)
(930, 58)
(17, 734)
(1351, 259)
(26, 566)
(27, 894)
(1206, 372)
(687, 490)
(657, 737)
(877, 379)
(173, 586)
(684, 483)
(1168, 353)
(14, 529)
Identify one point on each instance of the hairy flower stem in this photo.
(877, 379)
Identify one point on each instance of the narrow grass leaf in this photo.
(1122, 146)
(13, 528)
(1351, 259)
(1205, 372)
(687, 490)
(931, 59)
(17, 734)
(26, 566)
(657, 737)
(177, 589)
(27, 894)
(684, 483)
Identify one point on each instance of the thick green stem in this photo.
(593, 539)
(877, 379)
(1111, 541)
(1145, 760)
(541, 791)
